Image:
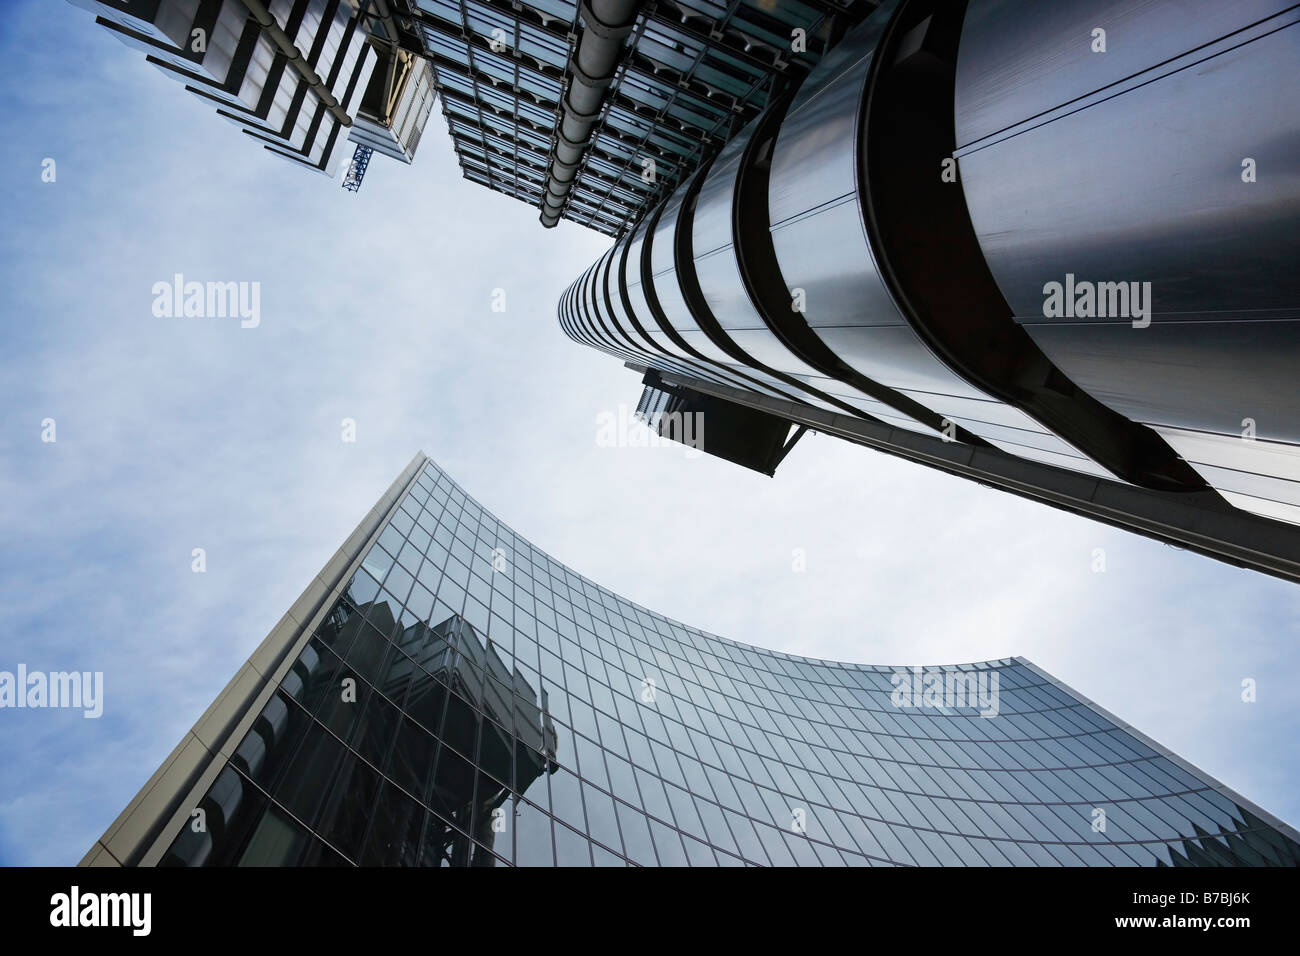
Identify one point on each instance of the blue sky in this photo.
(174, 434)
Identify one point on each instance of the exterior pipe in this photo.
(606, 23)
(257, 9)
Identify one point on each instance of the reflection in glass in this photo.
(589, 731)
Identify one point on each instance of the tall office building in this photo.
(593, 111)
(446, 694)
(590, 111)
(302, 77)
(1047, 246)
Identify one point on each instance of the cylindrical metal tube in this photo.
(606, 23)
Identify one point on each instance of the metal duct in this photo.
(606, 23)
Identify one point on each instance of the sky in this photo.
(181, 433)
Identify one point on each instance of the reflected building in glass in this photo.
(446, 694)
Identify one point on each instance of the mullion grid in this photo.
(686, 752)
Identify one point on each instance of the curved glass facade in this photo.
(884, 241)
(468, 700)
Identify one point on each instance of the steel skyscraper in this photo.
(1047, 246)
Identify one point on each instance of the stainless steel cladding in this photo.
(1068, 232)
(1157, 184)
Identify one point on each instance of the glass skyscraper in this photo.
(446, 694)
